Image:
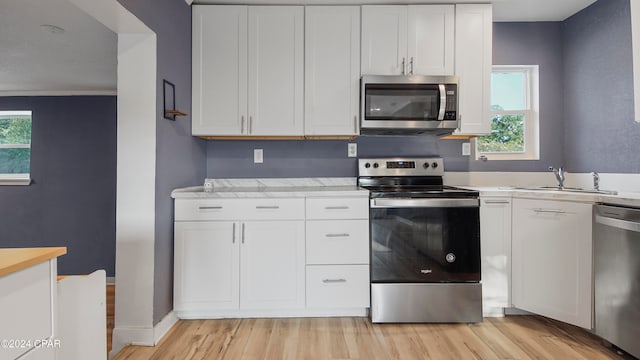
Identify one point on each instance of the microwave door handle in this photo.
(443, 101)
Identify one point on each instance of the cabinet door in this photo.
(430, 39)
(219, 70)
(552, 263)
(332, 70)
(473, 61)
(272, 265)
(276, 70)
(384, 39)
(206, 266)
(495, 235)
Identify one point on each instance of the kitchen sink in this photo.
(568, 189)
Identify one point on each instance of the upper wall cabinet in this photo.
(408, 39)
(474, 24)
(332, 70)
(248, 70)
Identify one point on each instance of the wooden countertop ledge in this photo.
(16, 259)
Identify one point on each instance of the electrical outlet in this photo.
(466, 149)
(352, 150)
(258, 156)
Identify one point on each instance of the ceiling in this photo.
(82, 59)
(33, 60)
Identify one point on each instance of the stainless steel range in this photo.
(425, 243)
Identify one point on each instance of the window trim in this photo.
(531, 113)
(23, 179)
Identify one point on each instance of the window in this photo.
(514, 115)
(15, 147)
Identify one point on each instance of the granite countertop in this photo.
(272, 188)
(16, 259)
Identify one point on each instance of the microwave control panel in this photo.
(451, 107)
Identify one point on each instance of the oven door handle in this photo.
(423, 203)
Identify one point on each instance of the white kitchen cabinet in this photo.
(207, 265)
(332, 70)
(219, 70)
(234, 255)
(407, 39)
(337, 243)
(495, 240)
(247, 70)
(272, 265)
(552, 259)
(276, 50)
(473, 61)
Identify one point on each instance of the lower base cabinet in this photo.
(552, 259)
(271, 257)
(337, 286)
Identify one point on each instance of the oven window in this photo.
(406, 102)
(425, 245)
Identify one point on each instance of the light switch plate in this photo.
(466, 149)
(258, 156)
(352, 150)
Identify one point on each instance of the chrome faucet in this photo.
(596, 181)
(559, 173)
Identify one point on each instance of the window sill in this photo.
(19, 180)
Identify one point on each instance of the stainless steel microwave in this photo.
(413, 104)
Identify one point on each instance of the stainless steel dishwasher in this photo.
(617, 276)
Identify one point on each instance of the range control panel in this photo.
(429, 166)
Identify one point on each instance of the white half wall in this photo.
(136, 172)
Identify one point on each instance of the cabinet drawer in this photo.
(337, 286)
(337, 208)
(239, 209)
(338, 242)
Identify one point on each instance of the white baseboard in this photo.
(279, 313)
(163, 327)
(142, 336)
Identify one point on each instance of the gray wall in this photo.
(72, 200)
(538, 43)
(320, 158)
(600, 132)
(180, 158)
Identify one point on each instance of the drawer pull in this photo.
(336, 207)
(233, 237)
(210, 207)
(267, 207)
(337, 235)
(333, 281)
(495, 202)
(550, 211)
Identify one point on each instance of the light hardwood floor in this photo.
(514, 337)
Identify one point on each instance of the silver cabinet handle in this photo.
(489, 202)
(268, 207)
(209, 207)
(411, 66)
(549, 211)
(337, 235)
(403, 65)
(243, 233)
(233, 238)
(355, 124)
(336, 207)
(329, 281)
(242, 124)
(250, 124)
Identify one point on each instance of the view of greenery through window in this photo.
(508, 96)
(15, 142)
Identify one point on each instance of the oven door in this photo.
(425, 240)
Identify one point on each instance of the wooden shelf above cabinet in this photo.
(277, 137)
(458, 137)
